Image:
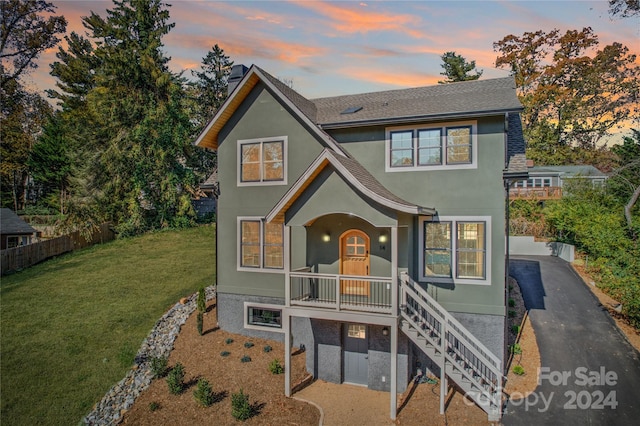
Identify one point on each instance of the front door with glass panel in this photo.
(354, 260)
(356, 354)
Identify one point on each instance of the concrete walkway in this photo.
(348, 404)
(590, 372)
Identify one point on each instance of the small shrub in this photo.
(245, 358)
(510, 287)
(158, 366)
(203, 393)
(248, 345)
(267, 349)
(225, 353)
(518, 370)
(153, 406)
(512, 303)
(200, 322)
(275, 367)
(240, 407)
(175, 379)
(512, 314)
(202, 301)
(515, 329)
(516, 349)
(228, 340)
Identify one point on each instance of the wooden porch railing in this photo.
(341, 292)
(542, 193)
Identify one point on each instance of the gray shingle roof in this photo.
(575, 170)
(364, 177)
(463, 98)
(212, 180)
(10, 223)
(306, 106)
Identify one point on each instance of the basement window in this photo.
(260, 316)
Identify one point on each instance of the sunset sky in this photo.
(333, 48)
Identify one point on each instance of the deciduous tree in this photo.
(573, 93)
(25, 34)
(624, 8)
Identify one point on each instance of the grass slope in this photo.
(70, 327)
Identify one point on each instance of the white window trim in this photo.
(261, 268)
(444, 166)
(241, 142)
(272, 307)
(454, 254)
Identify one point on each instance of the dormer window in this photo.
(262, 161)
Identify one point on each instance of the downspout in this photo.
(216, 193)
(507, 185)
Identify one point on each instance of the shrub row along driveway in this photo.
(589, 372)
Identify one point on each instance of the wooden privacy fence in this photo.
(18, 258)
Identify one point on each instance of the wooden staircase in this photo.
(459, 355)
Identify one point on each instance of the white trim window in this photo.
(260, 244)
(536, 182)
(432, 147)
(456, 249)
(261, 316)
(262, 161)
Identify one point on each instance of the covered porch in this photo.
(343, 262)
(346, 238)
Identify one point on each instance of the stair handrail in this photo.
(461, 331)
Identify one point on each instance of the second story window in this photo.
(431, 147)
(262, 161)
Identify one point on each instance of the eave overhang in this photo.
(208, 138)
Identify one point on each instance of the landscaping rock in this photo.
(158, 343)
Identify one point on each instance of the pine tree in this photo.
(456, 68)
(211, 84)
(140, 139)
(50, 162)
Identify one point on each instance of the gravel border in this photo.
(158, 343)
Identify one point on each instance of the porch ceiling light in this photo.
(326, 237)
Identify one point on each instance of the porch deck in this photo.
(342, 292)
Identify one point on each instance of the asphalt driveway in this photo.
(590, 374)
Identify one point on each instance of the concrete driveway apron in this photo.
(590, 374)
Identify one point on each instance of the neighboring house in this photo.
(206, 201)
(369, 229)
(547, 182)
(14, 231)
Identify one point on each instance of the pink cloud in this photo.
(389, 77)
(344, 18)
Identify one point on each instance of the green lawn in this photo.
(70, 327)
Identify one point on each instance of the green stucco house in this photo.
(369, 229)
